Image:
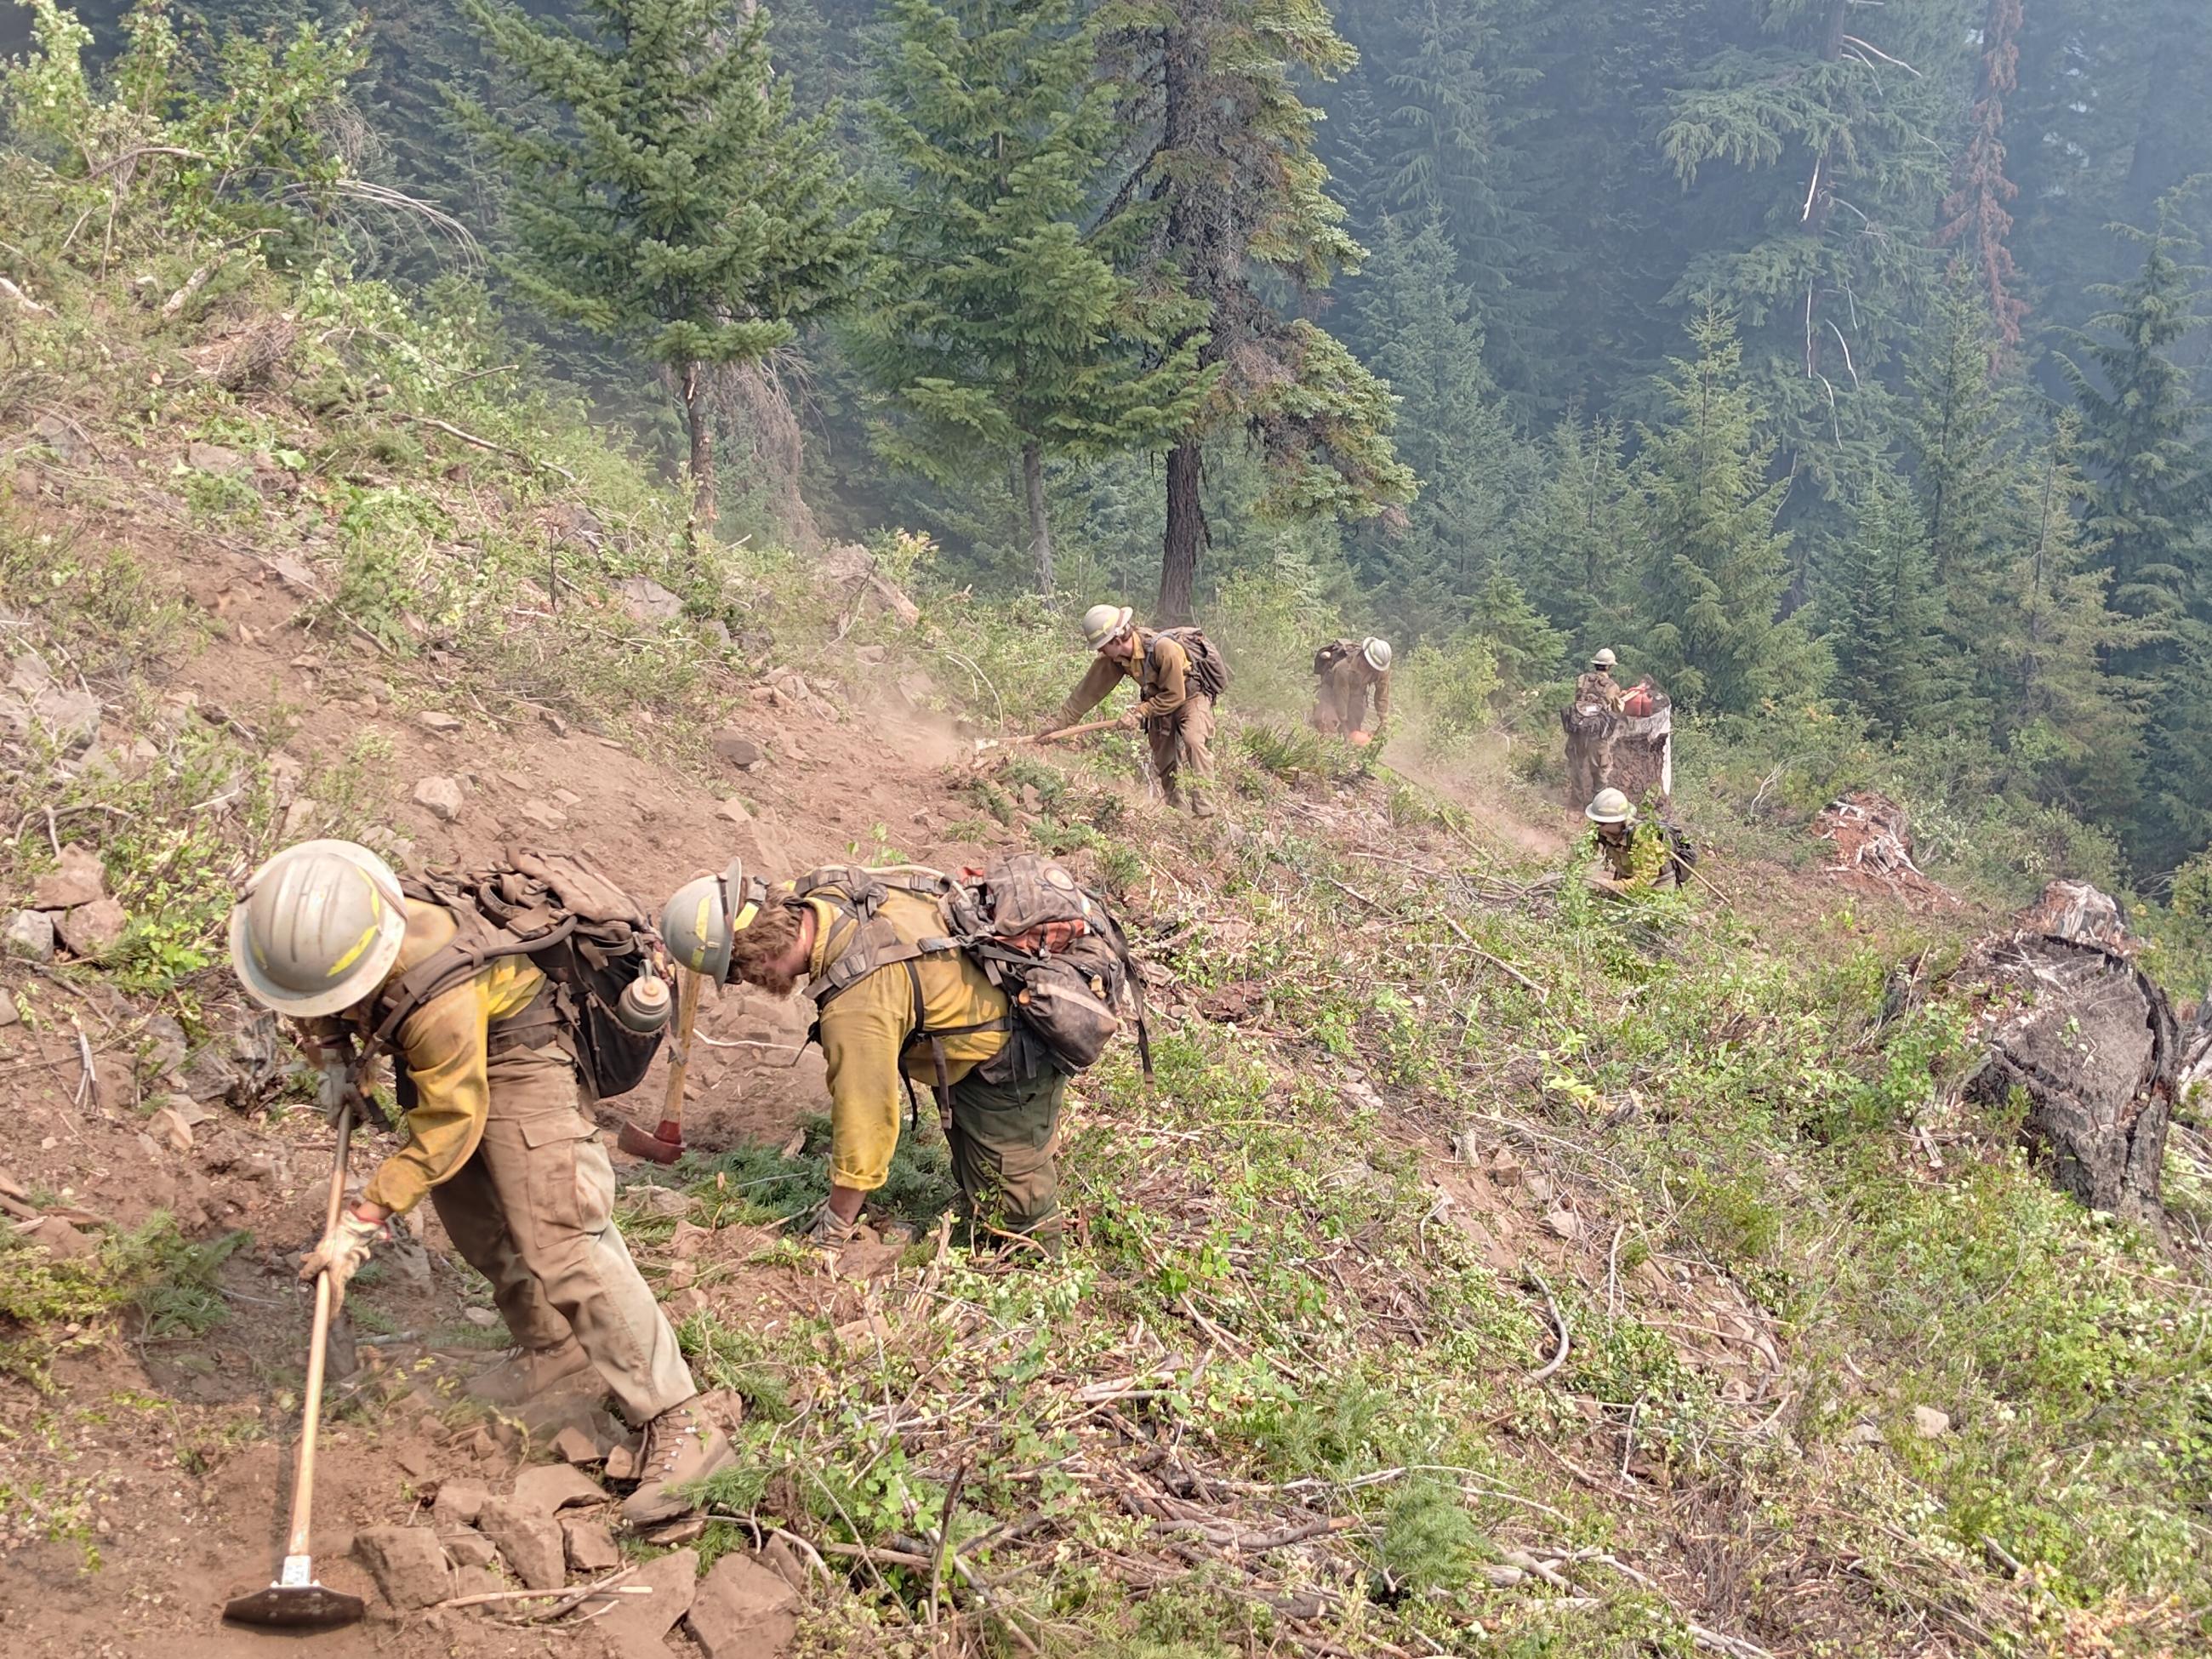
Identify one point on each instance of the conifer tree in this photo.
(1978, 211)
(1226, 147)
(1580, 548)
(1424, 569)
(1004, 329)
(670, 200)
(1717, 568)
(2075, 726)
(1884, 635)
(2151, 487)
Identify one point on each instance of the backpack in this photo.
(1037, 933)
(578, 929)
(1207, 670)
(1329, 655)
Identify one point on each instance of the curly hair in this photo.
(758, 953)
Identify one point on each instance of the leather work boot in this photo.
(529, 1374)
(681, 1447)
(1202, 807)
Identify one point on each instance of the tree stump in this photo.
(2094, 1045)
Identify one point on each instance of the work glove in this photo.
(340, 1255)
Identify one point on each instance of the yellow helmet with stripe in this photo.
(318, 928)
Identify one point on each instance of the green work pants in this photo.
(1002, 1137)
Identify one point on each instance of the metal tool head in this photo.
(295, 1602)
(661, 1146)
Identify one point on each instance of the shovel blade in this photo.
(656, 1146)
(295, 1606)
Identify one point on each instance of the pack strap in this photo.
(451, 967)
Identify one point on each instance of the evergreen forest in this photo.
(1841, 365)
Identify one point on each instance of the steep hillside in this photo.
(1487, 1270)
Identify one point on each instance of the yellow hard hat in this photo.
(703, 917)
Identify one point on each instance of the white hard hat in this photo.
(1605, 658)
(1104, 623)
(1377, 653)
(318, 928)
(1610, 806)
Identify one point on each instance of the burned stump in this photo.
(1632, 754)
(2089, 1040)
(1875, 851)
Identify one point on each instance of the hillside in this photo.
(1487, 1268)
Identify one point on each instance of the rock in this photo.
(688, 1530)
(1565, 1224)
(591, 1547)
(299, 817)
(171, 1130)
(1930, 1423)
(216, 458)
(8, 1015)
(1863, 1434)
(441, 797)
(433, 719)
(573, 1445)
(543, 814)
(1503, 1167)
(57, 1235)
(647, 600)
(469, 1547)
(483, 1318)
(62, 437)
(792, 752)
(92, 929)
(1539, 1189)
(662, 1201)
(476, 1581)
(742, 1610)
(460, 1503)
(872, 655)
(634, 1629)
(786, 1562)
(622, 1462)
(737, 748)
(545, 1487)
(189, 1112)
(733, 811)
(531, 1543)
(566, 798)
(28, 936)
(408, 1562)
(79, 880)
(166, 1047)
(687, 1241)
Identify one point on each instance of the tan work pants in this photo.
(1179, 740)
(532, 1211)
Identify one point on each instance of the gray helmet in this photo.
(1605, 658)
(1610, 806)
(1104, 623)
(1377, 653)
(703, 917)
(318, 928)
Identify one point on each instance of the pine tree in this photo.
(1212, 100)
(1884, 636)
(670, 200)
(2143, 446)
(1579, 550)
(1821, 136)
(2075, 727)
(1978, 211)
(1717, 568)
(1004, 329)
(1424, 570)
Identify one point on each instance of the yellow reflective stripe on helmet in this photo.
(367, 939)
(744, 918)
(697, 962)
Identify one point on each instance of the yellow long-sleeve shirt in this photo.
(865, 1026)
(1160, 667)
(445, 1046)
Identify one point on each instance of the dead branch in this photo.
(472, 440)
(1558, 1319)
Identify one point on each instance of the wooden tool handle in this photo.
(1078, 731)
(319, 1348)
(679, 1063)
